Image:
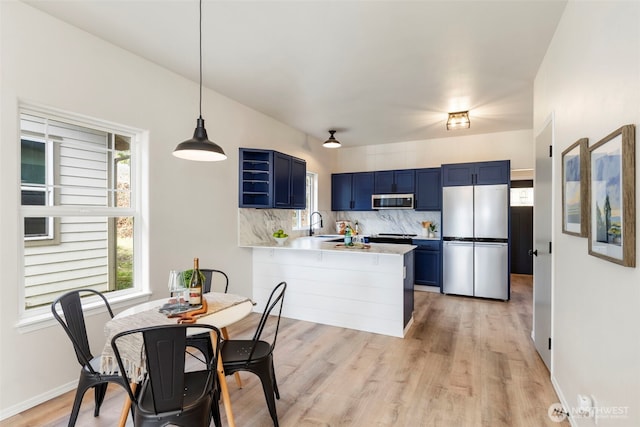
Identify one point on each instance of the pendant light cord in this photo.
(200, 31)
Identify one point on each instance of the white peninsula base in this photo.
(367, 290)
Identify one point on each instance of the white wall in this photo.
(47, 62)
(590, 81)
(516, 146)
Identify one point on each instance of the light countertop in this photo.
(321, 244)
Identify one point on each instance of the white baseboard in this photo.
(36, 400)
(425, 288)
(563, 401)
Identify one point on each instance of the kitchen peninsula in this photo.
(365, 289)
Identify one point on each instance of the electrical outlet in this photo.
(585, 406)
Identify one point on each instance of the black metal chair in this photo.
(215, 280)
(256, 355)
(219, 284)
(74, 325)
(169, 395)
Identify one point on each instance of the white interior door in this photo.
(542, 298)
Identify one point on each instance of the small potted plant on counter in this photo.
(433, 227)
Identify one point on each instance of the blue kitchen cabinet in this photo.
(428, 262)
(480, 173)
(394, 182)
(270, 179)
(255, 180)
(298, 183)
(428, 189)
(289, 188)
(351, 191)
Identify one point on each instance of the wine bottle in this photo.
(195, 285)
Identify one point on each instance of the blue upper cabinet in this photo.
(289, 184)
(481, 173)
(255, 180)
(362, 190)
(351, 191)
(298, 183)
(269, 179)
(428, 189)
(394, 182)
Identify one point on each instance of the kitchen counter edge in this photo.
(320, 244)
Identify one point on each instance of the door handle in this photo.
(532, 252)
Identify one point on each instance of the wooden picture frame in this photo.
(575, 189)
(612, 205)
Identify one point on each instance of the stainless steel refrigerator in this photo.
(475, 233)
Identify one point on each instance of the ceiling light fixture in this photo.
(199, 147)
(458, 120)
(332, 142)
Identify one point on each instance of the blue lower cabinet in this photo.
(428, 262)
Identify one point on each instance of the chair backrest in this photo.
(165, 349)
(73, 322)
(276, 299)
(215, 280)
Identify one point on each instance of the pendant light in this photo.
(199, 147)
(332, 142)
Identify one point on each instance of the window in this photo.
(36, 180)
(78, 209)
(522, 196)
(300, 220)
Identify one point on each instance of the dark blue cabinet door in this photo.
(361, 191)
(281, 183)
(481, 173)
(488, 173)
(394, 182)
(458, 174)
(298, 183)
(351, 191)
(427, 267)
(383, 182)
(428, 189)
(341, 191)
(405, 182)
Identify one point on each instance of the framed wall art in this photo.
(575, 189)
(612, 207)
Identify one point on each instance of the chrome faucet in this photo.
(311, 223)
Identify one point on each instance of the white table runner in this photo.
(131, 347)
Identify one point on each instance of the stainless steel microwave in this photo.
(392, 201)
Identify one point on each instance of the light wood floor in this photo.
(464, 363)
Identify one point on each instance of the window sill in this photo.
(41, 319)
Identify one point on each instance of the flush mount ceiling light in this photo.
(199, 147)
(332, 142)
(459, 120)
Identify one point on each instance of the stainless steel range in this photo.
(398, 238)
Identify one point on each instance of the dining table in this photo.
(222, 310)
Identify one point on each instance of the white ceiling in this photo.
(378, 71)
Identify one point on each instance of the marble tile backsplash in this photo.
(258, 225)
(391, 221)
